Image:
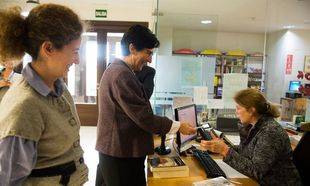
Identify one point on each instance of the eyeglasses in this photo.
(149, 52)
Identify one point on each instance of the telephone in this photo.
(205, 135)
(220, 134)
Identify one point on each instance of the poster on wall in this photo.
(181, 101)
(201, 95)
(287, 109)
(307, 64)
(191, 73)
(232, 83)
(215, 104)
(289, 64)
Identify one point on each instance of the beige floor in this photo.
(88, 141)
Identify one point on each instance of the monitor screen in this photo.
(219, 91)
(186, 114)
(294, 85)
(226, 124)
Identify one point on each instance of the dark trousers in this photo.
(112, 171)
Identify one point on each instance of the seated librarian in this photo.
(264, 153)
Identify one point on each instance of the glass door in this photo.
(83, 79)
(113, 46)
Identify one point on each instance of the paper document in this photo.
(215, 104)
(228, 170)
(219, 181)
(234, 139)
(201, 95)
(181, 101)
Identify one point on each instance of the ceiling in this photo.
(251, 16)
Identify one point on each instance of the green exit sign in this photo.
(101, 13)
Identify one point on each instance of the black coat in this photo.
(146, 77)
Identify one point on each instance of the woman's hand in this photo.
(216, 145)
(186, 129)
(4, 83)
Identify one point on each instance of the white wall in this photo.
(123, 12)
(165, 38)
(279, 45)
(86, 10)
(224, 41)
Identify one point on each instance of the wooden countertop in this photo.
(196, 173)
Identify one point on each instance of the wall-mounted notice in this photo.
(101, 13)
(289, 64)
(201, 95)
(179, 101)
(215, 104)
(232, 83)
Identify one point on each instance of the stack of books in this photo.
(168, 167)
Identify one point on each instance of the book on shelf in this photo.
(168, 167)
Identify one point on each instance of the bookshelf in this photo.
(255, 69)
(252, 64)
(227, 64)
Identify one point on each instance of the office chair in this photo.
(301, 155)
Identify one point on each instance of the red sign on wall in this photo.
(289, 64)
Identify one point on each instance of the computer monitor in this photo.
(294, 85)
(227, 124)
(186, 114)
(219, 91)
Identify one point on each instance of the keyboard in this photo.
(209, 165)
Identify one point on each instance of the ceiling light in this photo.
(30, 4)
(206, 21)
(289, 27)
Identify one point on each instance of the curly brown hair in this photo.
(47, 22)
(12, 33)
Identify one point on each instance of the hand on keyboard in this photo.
(209, 165)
